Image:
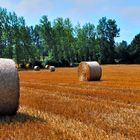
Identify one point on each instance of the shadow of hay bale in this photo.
(21, 118)
(96, 81)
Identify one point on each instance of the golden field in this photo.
(55, 105)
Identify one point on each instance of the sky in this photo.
(125, 12)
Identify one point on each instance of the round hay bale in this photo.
(89, 71)
(52, 68)
(47, 67)
(27, 66)
(36, 68)
(9, 87)
(17, 66)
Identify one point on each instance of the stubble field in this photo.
(55, 105)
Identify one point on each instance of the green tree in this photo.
(15, 36)
(134, 49)
(3, 17)
(47, 37)
(107, 31)
(63, 35)
(37, 41)
(86, 42)
(122, 54)
(69, 54)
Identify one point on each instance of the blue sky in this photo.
(125, 12)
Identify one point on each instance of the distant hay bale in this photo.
(9, 87)
(36, 68)
(47, 67)
(52, 68)
(27, 66)
(17, 66)
(89, 71)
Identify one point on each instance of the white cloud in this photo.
(131, 14)
(34, 7)
(8, 5)
(31, 10)
(27, 7)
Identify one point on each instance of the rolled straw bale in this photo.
(47, 67)
(17, 66)
(27, 66)
(52, 68)
(9, 87)
(36, 68)
(89, 71)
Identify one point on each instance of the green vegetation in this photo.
(62, 44)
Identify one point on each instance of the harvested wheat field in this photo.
(58, 106)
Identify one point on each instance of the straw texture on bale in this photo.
(9, 87)
(52, 68)
(89, 71)
(36, 68)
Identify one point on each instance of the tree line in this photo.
(62, 44)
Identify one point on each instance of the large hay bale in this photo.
(36, 68)
(9, 87)
(89, 71)
(52, 68)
